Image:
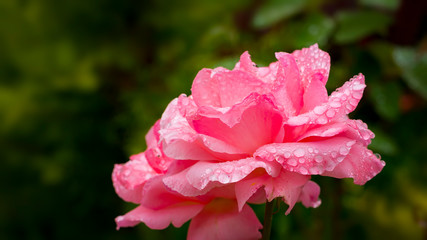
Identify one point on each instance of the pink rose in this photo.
(250, 134)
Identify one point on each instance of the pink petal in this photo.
(203, 173)
(181, 142)
(161, 218)
(287, 88)
(310, 195)
(221, 220)
(152, 137)
(341, 102)
(307, 158)
(157, 196)
(287, 185)
(360, 164)
(245, 64)
(257, 113)
(224, 88)
(313, 61)
(129, 178)
(352, 129)
(315, 93)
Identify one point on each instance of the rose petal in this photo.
(360, 164)
(161, 218)
(253, 123)
(313, 61)
(341, 102)
(203, 173)
(310, 195)
(224, 88)
(352, 129)
(180, 141)
(307, 158)
(287, 88)
(129, 178)
(222, 220)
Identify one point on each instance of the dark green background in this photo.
(82, 81)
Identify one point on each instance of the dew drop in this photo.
(223, 178)
(330, 113)
(335, 104)
(318, 158)
(319, 110)
(299, 152)
(322, 120)
(334, 154)
(301, 160)
(208, 171)
(349, 144)
(358, 86)
(378, 155)
(344, 151)
(292, 162)
(287, 154)
(271, 149)
(303, 170)
(310, 150)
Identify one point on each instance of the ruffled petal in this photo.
(313, 61)
(253, 123)
(360, 164)
(221, 220)
(341, 102)
(315, 93)
(130, 177)
(160, 218)
(307, 158)
(310, 195)
(352, 129)
(245, 64)
(180, 141)
(203, 173)
(224, 88)
(287, 88)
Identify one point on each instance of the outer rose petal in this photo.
(352, 129)
(312, 61)
(253, 123)
(310, 195)
(307, 158)
(218, 88)
(203, 173)
(341, 102)
(161, 218)
(129, 178)
(287, 88)
(221, 220)
(361, 165)
(246, 64)
(180, 141)
(287, 185)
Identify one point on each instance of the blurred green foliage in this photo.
(82, 81)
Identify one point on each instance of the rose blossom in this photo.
(249, 134)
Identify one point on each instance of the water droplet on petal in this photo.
(310, 150)
(223, 178)
(322, 120)
(378, 155)
(330, 113)
(344, 151)
(301, 160)
(208, 171)
(318, 158)
(335, 104)
(287, 154)
(319, 110)
(334, 154)
(303, 170)
(299, 152)
(292, 162)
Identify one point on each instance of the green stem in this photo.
(268, 219)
